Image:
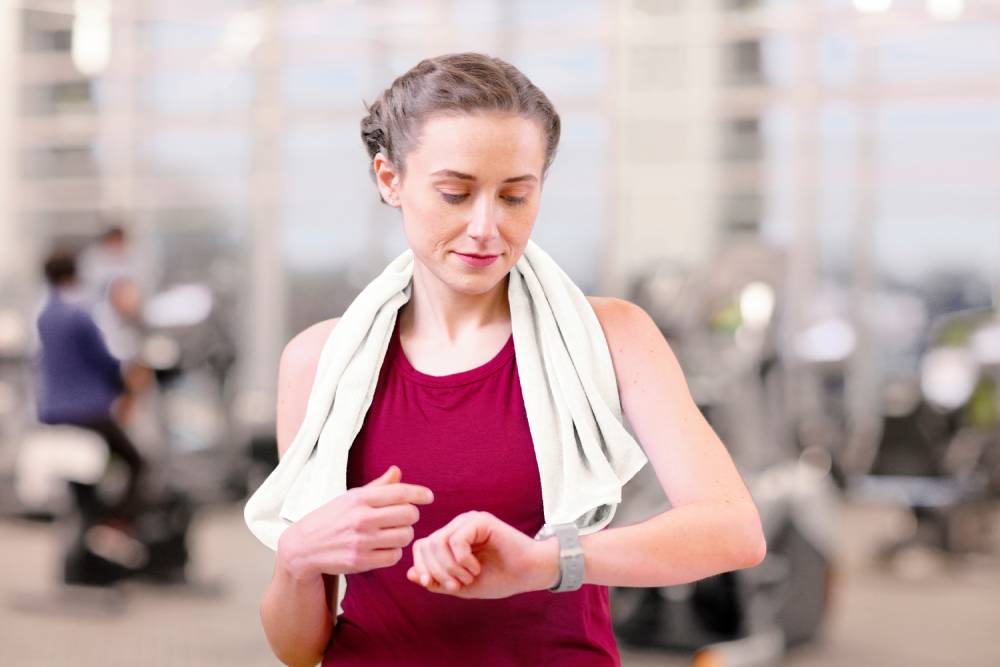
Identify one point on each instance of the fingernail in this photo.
(452, 585)
(425, 579)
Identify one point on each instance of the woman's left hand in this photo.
(486, 557)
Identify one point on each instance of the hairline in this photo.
(454, 113)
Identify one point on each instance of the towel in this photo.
(584, 452)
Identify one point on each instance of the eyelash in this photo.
(457, 199)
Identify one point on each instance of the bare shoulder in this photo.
(641, 356)
(309, 342)
(624, 323)
(296, 372)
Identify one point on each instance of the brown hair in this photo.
(60, 266)
(452, 83)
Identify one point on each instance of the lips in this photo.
(476, 260)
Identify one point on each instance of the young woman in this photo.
(444, 570)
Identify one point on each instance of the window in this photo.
(68, 161)
(59, 98)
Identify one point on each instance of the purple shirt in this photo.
(78, 378)
(466, 437)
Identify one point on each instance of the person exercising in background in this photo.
(80, 381)
(110, 256)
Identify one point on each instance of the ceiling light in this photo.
(872, 6)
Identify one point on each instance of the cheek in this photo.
(523, 220)
(427, 227)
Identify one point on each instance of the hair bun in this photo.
(373, 129)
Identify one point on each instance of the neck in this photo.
(68, 293)
(437, 312)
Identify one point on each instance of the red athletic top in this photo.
(466, 437)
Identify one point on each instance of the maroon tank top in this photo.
(466, 437)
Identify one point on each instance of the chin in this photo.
(477, 283)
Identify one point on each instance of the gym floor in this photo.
(922, 615)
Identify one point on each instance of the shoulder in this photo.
(296, 372)
(640, 354)
(623, 322)
(64, 309)
(611, 305)
(78, 318)
(305, 346)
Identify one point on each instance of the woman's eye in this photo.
(455, 199)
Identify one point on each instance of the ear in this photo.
(387, 179)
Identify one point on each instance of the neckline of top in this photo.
(452, 379)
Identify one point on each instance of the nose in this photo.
(485, 222)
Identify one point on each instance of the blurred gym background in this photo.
(804, 195)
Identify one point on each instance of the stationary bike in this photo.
(64, 472)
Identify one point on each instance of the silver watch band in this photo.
(570, 555)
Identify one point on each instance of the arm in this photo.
(97, 352)
(714, 525)
(298, 611)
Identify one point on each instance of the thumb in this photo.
(392, 475)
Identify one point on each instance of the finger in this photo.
(394, 494)
(421, 578)
(460, 549)
(465, 571)
(420, 571)
(390, 479)
(454, 572)
(433, 563)
(393, 516)
(390, 538)
(391, 475)
(468, 534)
(385, 557)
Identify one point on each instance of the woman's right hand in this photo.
(362, 529)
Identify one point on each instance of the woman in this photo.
(445, 571)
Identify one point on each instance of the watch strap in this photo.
(571, 566)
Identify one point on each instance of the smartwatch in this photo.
(570, 555)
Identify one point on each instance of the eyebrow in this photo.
(470, 177)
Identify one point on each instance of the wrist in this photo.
(546, 565)
(291, 561)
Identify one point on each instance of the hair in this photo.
(60, 267)
(452, 84)
(112, 233)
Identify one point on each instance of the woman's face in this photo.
(472, 186)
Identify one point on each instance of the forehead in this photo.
(480, 144)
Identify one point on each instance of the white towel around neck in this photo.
(584, 452)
